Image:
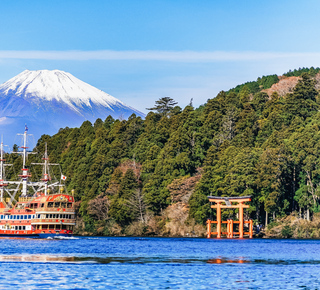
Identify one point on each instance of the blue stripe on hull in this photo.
(54, 236)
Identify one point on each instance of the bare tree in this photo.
(99, 207)
(228, 126)
(138, 205)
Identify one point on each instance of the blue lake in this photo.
(159, 263)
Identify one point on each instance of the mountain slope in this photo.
(48, 100)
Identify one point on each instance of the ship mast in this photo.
(43, 184)
(25, 174)
(2, 173)
(46, 176)
(45, 172)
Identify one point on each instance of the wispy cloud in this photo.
(150, 55)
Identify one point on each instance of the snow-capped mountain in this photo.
(49, 100)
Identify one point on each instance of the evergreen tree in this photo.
(164, 106)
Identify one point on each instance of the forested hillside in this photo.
(153, 176)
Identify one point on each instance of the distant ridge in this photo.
(50, 100)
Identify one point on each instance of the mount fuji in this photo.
(49, 100)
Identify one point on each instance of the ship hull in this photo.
(19, 236)
(36, 236)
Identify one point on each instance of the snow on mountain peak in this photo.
(50, 100)
(57, 85)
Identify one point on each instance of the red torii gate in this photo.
(229, 203)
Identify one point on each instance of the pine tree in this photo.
(164, 106)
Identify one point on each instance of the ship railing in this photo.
(61, 221)
(57, 209)
(25, 199)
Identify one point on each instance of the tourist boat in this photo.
(40, 212)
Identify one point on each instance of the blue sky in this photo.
(140, 51)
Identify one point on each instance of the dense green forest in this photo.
(153, 176)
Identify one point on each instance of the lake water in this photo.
(159, 263)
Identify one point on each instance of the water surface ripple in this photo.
(159, 263)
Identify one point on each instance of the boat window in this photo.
(64, 227)
(69, 204)
(50, 204)
(64, 216)
(57, 227)
(44, 227)
(38, 216)
(56, 204)
(29, 216)
(63, 204)
(23, 228)
(51, 227)
(50, 216)
(1, 216)
(42, 204)
(18, 217)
